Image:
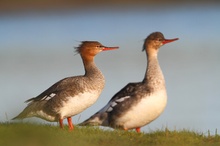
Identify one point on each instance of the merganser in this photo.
(137, 104)
(71, 95)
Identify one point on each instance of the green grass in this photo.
(26, 134)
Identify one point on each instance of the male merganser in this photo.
(137, 104)
(71, 95)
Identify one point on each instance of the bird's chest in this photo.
(75, 104)
(145, 111)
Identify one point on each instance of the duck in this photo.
(71, 95)
(139, 103)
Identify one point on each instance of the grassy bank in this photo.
(23, 134)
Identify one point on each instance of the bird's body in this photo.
(71, 95)
(137, 104)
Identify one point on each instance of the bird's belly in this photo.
(75, 105)
(144, 112)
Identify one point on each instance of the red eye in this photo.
(159, 39)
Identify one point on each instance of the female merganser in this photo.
(137, 104)
(71, 95)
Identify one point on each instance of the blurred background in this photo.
(37, 41)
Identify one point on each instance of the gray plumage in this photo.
(81, 90)
(125, 101)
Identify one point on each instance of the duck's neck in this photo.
(154, 76)
(93, 76)
(91, 69)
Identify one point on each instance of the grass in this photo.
(26, 134)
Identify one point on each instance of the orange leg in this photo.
(71, 127)
(61, 123)
(138, 129)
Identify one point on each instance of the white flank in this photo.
(78, 103)
(147, 110)
(45, 116)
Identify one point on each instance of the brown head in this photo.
(88, 49)
(154, 41)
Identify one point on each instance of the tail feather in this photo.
(22, 115)
(29, 111)
(98, 119)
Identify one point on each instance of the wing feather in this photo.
(56, 88)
